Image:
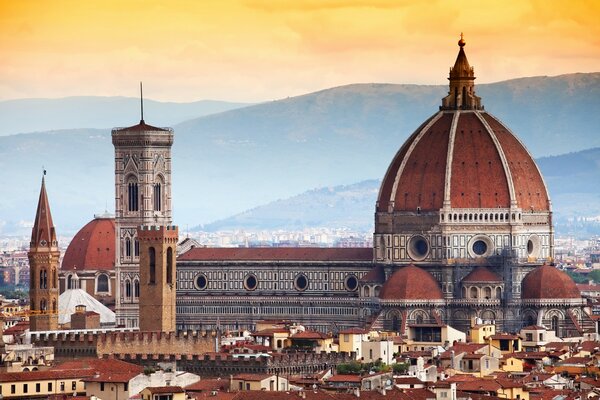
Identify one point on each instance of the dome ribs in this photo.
(421, 183)
(530, 189)
(93, 247)
(474, 185)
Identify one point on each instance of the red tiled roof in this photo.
(547, 282)
(101, 366)
(355, 331)
(45, 375)
(278, 254)
(504, 336)
(165, 389)
(482, 274)
(205, 384)
(309, 335)
(93, 247)
(376, 274)
(479, 385)
(411, 283)
(18, 328)
(534, 328)
(141, 127)
(251, 377)
(344, 378)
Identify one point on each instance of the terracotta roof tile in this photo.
(278, 254)
(93, 247)
(411, 283)
(547, 282)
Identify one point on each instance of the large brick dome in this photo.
(93, 247)
(547, 282)
(411, 283)
(468, 158)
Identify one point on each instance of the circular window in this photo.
(250, 282)
(533, 246)
(418, 248)
(351, 283)
(201, 282)
(301, 282)
(480, 247)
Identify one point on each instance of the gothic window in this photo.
(54, 305)
(43, 305)
(152, 272)
(43, 279)
(170, 265)
(102, 283)
(127, 247)
(136, 248)
(157, 197)
(53, 284)
(395, 323)
(136, 288)
(127, 289)
(133, 196)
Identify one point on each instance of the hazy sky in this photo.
(255, 50)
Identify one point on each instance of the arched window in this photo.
(170, 265)
(54, 280)
(132, 196)
(127, 247)
(127, 289)
(152, 272)
(157, 197)
(136, 247)
(43, 305)
(395, 323)
(498, 293)
(43, 279)
(487, 293)
(54, 305)
(136, 288)
(102, 283)
(366, 292)
(474, 292)
(419, 319)
(70, 282)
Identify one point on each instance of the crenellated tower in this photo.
(142, 197)
(43, 264)
(158, 272)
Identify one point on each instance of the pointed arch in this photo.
(170, 265)
(152, 267)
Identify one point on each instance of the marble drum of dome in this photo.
(463, 187)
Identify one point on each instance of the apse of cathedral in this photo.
(463, 231)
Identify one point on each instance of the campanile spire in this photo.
(461, 95)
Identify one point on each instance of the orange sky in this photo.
(254, 50)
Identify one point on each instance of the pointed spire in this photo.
(43, 234)
(462, 86)
(141, 104)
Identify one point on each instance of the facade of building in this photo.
(463, 230)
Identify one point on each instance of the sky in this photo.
(260, 50)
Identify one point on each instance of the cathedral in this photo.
(463, 230)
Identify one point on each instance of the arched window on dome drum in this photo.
(127, 247)
(152, 271)
(102, 283)
(127, 289)
(170, 265)
(157, 197)
(136, 288)
(554, 325)
(132, 196)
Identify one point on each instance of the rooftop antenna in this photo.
(141, 103)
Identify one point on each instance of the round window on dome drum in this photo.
(201, 282)
(301, 282)
(480, 247)
(351, 283)
(418, 248)
(250, 282)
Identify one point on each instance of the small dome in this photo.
(481, 274)
(411, 283)
(547, 282)
(93, 247)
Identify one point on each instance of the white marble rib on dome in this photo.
(71, 298)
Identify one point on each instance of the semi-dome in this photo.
(547, 282)
(411, 283)
(462, 157)
(93, 247)
(481, 274)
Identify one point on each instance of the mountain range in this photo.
(235, 160)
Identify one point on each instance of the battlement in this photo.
(158, 232)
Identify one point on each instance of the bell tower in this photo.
(158, 271)
(43, 268)
(142, 197)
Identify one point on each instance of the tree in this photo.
(400, 368)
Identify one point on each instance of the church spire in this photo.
(461, 95)
(43, 234)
